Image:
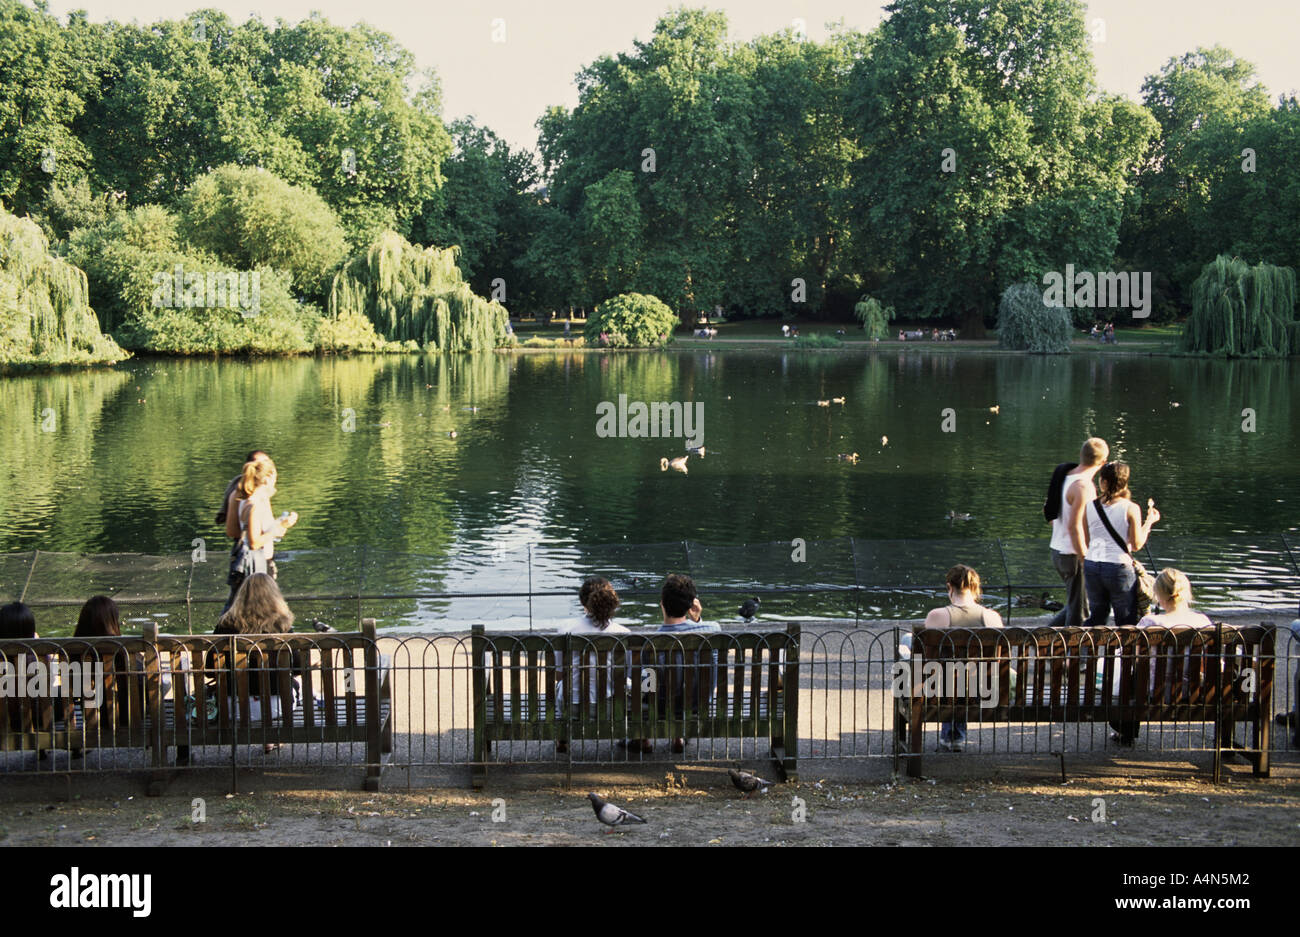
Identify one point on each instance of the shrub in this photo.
(131, 261)
(538, 342)
(630, 320)
(1027, 323)
(817, 340)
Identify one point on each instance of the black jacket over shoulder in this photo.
(1052, 505)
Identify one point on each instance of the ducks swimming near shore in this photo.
(678, 464)
(839, 400)
(696, 450)
(848, 457)
(957, 516)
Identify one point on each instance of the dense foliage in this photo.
(957, 149)
(133, 261)
(1027, 323)
(416, 295)
(630, 320)
(251, 219)
(44, 314)
(1240, 310)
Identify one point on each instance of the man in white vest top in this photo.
(1068, 495)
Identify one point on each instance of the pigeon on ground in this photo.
(749, 609)
(610, 814)
(747, 782)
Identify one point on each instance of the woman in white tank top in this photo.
(1108, 568)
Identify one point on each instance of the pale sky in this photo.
(507, 85)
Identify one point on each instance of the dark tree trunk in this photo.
(972, 326)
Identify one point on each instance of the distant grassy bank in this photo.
(764, 333)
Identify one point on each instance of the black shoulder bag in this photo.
(1145, 588)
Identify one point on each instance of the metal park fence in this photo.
(408, 707)
(535, 587)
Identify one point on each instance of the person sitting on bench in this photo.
(1173, 596)
(682, 613)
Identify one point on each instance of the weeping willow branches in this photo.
(44, 314)
(1243, 311)
(417, 295)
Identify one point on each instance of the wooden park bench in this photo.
(335, 686)
(166, 691)
(97, 695)
(636, 686)
(1221, 675)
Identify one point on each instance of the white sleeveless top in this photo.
(1102, 547)
(1061, 541)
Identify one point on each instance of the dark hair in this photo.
(17, 621)
(599, 599)
(677, 595)
(964, 579)
(253, 455)
(1114, 481)
(99, 618)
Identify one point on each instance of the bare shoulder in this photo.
(937, 618)
(992, 619)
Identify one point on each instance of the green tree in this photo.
(44, 73)
(1202, 102)
(1027, 323)
(793, 217)
(671, 114)
(982, 140)
(875, 317)
(44, 314)
(249, 219)
(612, 236)
(1242, 311)
(417, 295)
(133, 262)
(486, 209)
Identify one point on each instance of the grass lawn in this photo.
(1146, 339)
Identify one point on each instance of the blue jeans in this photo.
(954, 731)
(1110, 586)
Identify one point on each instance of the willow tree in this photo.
(1027, 323)
(44, 313)
(414, 294)
(875, 317)
(1242, 311)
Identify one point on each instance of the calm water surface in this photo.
(134, 460)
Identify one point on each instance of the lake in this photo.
(134, 459)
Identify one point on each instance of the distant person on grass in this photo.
(1068, 495)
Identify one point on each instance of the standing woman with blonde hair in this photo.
(258, 527)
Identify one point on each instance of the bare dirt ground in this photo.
(1108, 805)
